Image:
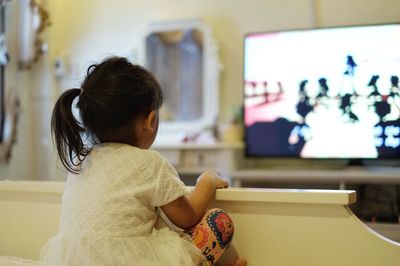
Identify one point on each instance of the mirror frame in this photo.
(211, 74)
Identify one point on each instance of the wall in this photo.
(83, 32)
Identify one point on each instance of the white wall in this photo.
(86, 31)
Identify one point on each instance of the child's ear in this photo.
(150, 122)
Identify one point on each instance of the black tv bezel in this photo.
(350, 160)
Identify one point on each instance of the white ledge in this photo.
(313, 196)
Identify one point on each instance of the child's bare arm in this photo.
(186, 211)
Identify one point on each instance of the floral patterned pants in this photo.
(213, 234)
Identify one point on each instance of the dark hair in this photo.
(114, 94)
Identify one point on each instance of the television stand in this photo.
(342, 176)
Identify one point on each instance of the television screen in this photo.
(323, 93)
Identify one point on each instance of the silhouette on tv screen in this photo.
(323, 93)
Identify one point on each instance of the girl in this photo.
(117, 189)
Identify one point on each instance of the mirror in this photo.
(184, 58)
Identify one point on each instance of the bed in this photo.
(273, 226)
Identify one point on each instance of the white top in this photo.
(109, 212)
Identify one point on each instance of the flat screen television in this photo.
(323, 93)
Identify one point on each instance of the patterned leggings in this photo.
(213, 234)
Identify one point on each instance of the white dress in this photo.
(109, 212)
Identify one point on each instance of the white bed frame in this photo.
(272, 226)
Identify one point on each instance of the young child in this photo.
(118, 188)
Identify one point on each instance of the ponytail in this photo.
(66, 132)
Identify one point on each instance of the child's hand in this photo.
(215, 178)
(221, 183)
(186, 211)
